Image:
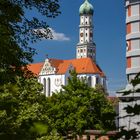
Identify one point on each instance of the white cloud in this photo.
(55, 36)
(59, 36)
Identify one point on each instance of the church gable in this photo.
(47, 68)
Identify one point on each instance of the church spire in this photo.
(86, 45)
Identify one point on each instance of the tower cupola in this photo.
(86, 8)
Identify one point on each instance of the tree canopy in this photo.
(26, 113)
(22, 110)
(77, 107)
(17, 32)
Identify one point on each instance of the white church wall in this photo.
(93, 78)
(56, 81)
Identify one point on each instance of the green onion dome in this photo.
(86, 8)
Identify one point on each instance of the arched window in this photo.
(97, 80)
(44, 84)
(48, 87)
(89, 81)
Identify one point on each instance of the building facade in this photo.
(132, 38)
(133, 65)
(54, 73)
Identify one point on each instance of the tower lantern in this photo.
(86, 45)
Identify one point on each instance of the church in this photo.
(53, 73)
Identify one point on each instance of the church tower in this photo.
(86, 46)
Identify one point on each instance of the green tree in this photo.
(22, 110)
(52, 136)
(17, 32)
(78, 107)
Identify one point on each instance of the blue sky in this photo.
(109, 36)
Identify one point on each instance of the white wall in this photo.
(135, 61)
(56, 82)
(135, 27)
(135, 10)
(135, 44)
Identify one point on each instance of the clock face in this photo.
(58, 82)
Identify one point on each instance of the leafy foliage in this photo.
(53, 136)
(21, 110)
(17, 32)
(26, 113)
(132, 110)
(78, 107)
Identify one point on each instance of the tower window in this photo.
(91, 35)
(86, 22)
(86, 34)
(81, 50)
(81, 34)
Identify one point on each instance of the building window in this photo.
(81, 34)
(89, 81)
(97, 80)
(44, 84)
(48, 87)
(91, 35)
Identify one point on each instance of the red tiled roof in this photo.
(82, 66)
(35, 68)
